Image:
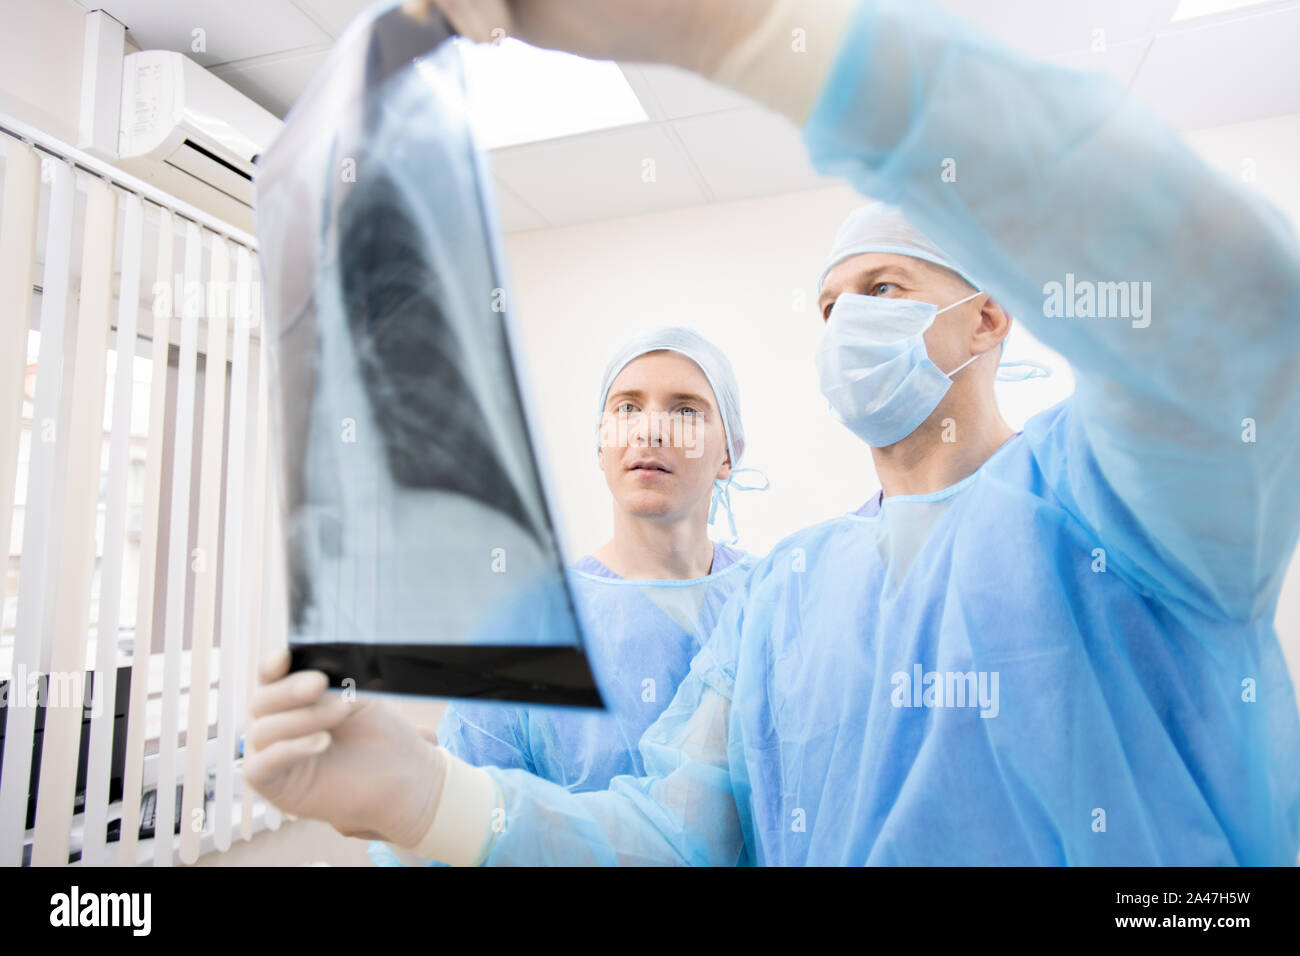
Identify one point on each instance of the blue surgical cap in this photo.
(880, 227)
(703, 353)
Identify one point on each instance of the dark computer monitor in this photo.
(117, 770)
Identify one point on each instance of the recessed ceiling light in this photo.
(520, 94)
(1191, 9)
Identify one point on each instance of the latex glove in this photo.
(359, 765)
(694, 34)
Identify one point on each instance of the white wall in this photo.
(745, 275)
(42, 45)
(41, 48)
(736, 272)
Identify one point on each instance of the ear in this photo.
(724, 470)
(993, 327)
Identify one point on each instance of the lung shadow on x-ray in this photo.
(410, 358)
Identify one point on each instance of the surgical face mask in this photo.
(875, 370)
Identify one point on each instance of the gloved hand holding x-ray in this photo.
(422, 556)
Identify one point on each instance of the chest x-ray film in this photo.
(421, 557)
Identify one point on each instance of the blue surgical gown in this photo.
(1069, 656)
(642, 635)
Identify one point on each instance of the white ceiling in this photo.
(707, 144)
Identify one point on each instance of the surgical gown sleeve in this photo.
(682, 812)
(486, 734)
(1187, 417)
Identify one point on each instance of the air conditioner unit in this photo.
(192, 134)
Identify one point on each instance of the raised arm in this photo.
(1039, 179)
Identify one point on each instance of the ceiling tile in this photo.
(513, 214)
(748, 152)
(1226, 71)
(334, 15)
(600, 175)
(1120, 61)
(232, 29)
(679, 92)
(634, 73)
(274, 82)
(1049, 27)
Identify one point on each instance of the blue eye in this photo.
(875, 289)
(687, 410)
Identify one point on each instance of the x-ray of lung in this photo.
(422, 557)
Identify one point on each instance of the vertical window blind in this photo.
(138, 512)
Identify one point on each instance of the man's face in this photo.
(662, 440)
(884, 274)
